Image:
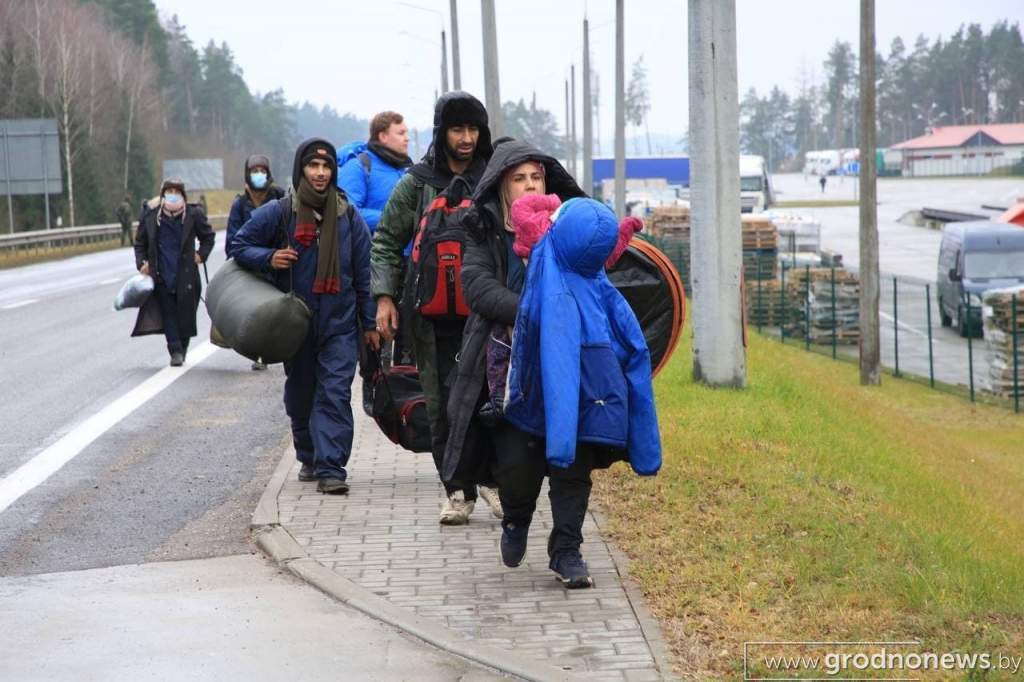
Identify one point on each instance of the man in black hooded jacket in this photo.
(461, 146)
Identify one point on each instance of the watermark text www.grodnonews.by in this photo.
(856, 660)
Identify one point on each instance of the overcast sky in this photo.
(365, 57)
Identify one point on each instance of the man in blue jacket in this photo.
(373, 169)
(317, 245)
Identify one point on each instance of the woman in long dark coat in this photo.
(165, 249)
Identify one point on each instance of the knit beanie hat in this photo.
(628, 226)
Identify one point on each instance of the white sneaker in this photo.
(490, 496)
(456, 510)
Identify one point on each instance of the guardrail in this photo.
(73, 236)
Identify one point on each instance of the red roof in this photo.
(956, 136)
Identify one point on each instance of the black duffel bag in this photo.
(254, 317)
(399, 407)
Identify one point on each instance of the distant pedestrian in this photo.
(822, 182)
(202, 204)
(318, 246)
(124, 216)
(259, 189)
(165, 249)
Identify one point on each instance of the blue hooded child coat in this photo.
(581, 370)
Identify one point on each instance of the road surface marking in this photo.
(111, 280)
(904, 326)
(52, 459)
(19, 304)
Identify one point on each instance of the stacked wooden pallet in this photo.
(770, 304)
(831, 297)
(999, 324)
(760, 248)
(669, 227)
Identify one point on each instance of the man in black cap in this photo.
(314, 233)
(259, 189)
(461, 146)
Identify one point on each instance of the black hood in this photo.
(253, 161)
(454, 108)
(301, 151)
(510, 154)
(507, 156)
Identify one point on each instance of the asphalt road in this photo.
(176, 479)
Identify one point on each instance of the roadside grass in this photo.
(815, 203)
(810, 508)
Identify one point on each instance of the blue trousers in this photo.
(317, 398)
(169, 312)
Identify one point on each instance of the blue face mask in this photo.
(258, 180)
(173, 199)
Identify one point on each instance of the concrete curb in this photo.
(648, 623)
(279, 545)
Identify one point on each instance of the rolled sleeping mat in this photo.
(254, 317)
(651, 285)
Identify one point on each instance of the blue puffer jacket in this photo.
(368, 191)
(337, 313)
(581, 370)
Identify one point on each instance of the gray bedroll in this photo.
(254, 317)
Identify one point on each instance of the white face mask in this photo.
(173, 199)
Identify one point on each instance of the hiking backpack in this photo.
(434, 280)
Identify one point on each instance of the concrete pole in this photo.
(870, 343)
(491, 88)
(456, 64)
(588, 115)
(574, 145)
(444, 63)
(568, 131)
(620, 113)
(716, 248)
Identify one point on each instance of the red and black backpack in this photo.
(434, 283)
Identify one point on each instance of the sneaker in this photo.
(257, 365)
(490, 496)
(332, 486)
(572, 570)
(456, 509)
(307, 473)
(513, 543)
(177, 359)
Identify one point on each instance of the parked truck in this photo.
(755, 185)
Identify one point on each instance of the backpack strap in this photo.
(364, 159)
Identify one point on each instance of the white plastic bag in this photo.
(134, 293)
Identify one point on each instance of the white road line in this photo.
(12, 306)
(902, 325)
(110, 281)
(49, 461)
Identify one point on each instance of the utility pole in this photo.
(491, 90)
(568, 131)
(574, 146)
(620, 113)
(588, 115)
(596, 96)
(444, 63)
(716, 255)
(456, 65)
(870, 341)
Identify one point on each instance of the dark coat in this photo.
(188, 287)
(241, 210)
(484, 273)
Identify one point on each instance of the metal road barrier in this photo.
(59, 239)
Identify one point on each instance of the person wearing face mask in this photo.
(165, 249)
(461, 146)
(259, 189)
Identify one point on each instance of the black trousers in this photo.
(520, 465)
(449, 341)
(169, 312)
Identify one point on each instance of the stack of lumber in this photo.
(998, 321)
(760, 248)
(769, 304)
(817, 288)
(669, 226)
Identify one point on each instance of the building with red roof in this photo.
(963, 150)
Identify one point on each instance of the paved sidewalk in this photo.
(384, 536)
